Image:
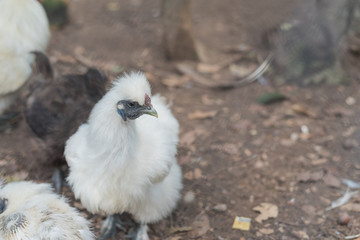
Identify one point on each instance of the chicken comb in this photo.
(147, 100)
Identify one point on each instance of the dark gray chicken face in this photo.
(3, 204)
(129, 109)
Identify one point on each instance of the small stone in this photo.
(350, 101)
(294, 137)
(220, 207)
(259, 164)
(305, 129)
(253, 132)
(247, 152)
(189, 197)
(343, 218)
(350, 143)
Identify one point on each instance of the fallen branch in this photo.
(203, 81)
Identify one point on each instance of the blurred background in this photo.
(267, 96)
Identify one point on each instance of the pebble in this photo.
(343, 218)
(189, 197)
(220, 207)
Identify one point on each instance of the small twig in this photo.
(353, 236)
(203, 82)
(290, 224)
(84, 61)
(342, 200)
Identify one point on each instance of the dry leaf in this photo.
(230, 148)
(267, 210)
(188, 138)
(319, 161)
(310, 177)
(304, 110)
(175, 81)
(197, 173)
(266, 231)
(243, 70)
(238, 48)
(350, 131)
(331, 180)
(189, 175)
(180, 229)
(202, 115)
(113, 6)
(208, 68)
(64, 58)
(200, 225)
(206, 100)
(301, 234)
(352, 207)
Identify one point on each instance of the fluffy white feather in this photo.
(24, 28)
(126, 166)
(33, 211)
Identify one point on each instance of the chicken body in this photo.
(23, 28)
(119, 165)
(32, 211)
(56, 106)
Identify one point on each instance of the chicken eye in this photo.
(131, 104)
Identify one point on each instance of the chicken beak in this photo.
(150, 111)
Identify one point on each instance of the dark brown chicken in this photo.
(56, 106)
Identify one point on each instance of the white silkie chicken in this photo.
(124, 161)
(32, 211)
(24, 28)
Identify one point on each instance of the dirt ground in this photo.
(235, 154)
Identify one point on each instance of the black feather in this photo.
(56, 107)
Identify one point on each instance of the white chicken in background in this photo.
(32, 211)
(24, 28)
(121, 161)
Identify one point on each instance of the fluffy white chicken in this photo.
(24, 28)
(32, 211)
(121, 162)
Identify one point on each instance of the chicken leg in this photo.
(140, 234)
(110, 226)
